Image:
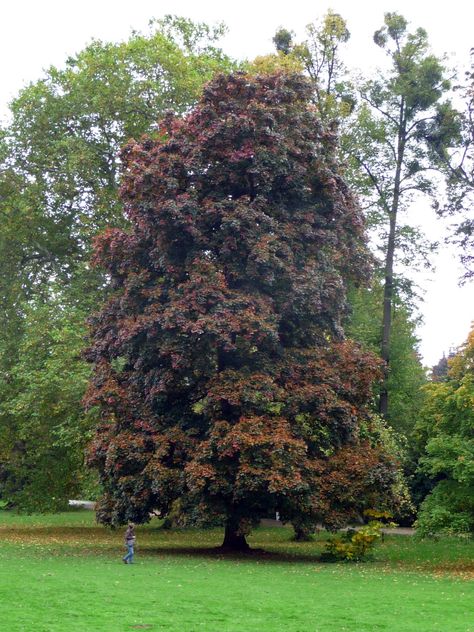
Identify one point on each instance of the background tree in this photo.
(407, 375)
(320, 57)
(439, 372)
(405, 382)
(446, 429)
(68, 128)
(364, 143)
(458, 164)
(220, 366)
(393, 150)
(43, 428)
(59, 178)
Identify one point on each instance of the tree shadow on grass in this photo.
(256, 555)
(86, 540)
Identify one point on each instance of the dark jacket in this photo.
(130, 536)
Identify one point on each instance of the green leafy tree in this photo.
(366, 142)
(59, 179)
(67, 129)
(43, 428)
(405, 381)
(446, 427)
(407, 374)
(220, 366)
(319, 55)
(391, 148)
(458, 165)
(59, 164)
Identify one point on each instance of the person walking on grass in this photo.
(129, 543)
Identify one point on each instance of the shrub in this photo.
(352, 545)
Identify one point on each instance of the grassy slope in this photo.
(61, 573)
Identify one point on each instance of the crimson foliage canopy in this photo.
(221, 370)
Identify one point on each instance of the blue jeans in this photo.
(129, 556)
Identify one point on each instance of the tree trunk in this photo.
(387, 314)
(233, 540)
(302, 534)
(388, 288)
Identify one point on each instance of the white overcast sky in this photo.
(35, 34)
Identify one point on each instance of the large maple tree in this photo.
(221, 369)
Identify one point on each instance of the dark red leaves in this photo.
(221, 371)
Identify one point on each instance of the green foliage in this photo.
(283, 40)
(391, 154)
(59, 178)
(459, 168)
(446, 428)
(319, 56)
(406, 376)
(390, 141)
(448, 509)
(67, 128)
(43, 429)
(405, 383)
(60, 168)
(269, 64)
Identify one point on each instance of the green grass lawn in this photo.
(62, 573)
